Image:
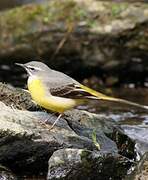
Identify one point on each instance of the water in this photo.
(134, 121)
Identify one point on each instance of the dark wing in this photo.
(70, 91)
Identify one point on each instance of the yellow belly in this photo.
(46, 100)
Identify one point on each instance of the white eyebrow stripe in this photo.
(37, 68)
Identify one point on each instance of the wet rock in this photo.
(16, 97)
(139, 134)
(27, 143)
(130, 133)
(141, 170)
(83, 164)
(5, 174)
(24, 133)
(85, 123)
(90, 120)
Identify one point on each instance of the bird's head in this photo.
(34, 67)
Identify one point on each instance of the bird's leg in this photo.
(46, 120)
(56, 121)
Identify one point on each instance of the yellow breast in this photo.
(42, 97)
(36, 89)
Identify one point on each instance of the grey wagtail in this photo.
(58, 92)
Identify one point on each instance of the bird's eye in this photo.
(32, 69)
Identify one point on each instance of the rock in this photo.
(76, 164)
(23, 129)
(85, 123)
(141, 170)
(6, 174)
(26, 143)
(16, 97)
(23, 134)
(139, 134)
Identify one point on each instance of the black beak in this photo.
(22, 65)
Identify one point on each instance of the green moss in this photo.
(89, 161)
(86, 161)
(35, 18)
(19, 20)
(117, 8)
(32, 18)
(94, 138)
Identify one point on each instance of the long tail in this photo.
(101, 96)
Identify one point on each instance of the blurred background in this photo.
(100, 43)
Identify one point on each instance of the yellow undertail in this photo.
(108, 98)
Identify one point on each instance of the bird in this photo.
(58, 92)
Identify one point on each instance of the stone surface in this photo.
(26, 143)
(5, 174)
(141, 170)
(81, 164)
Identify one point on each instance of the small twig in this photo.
(63, 40)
